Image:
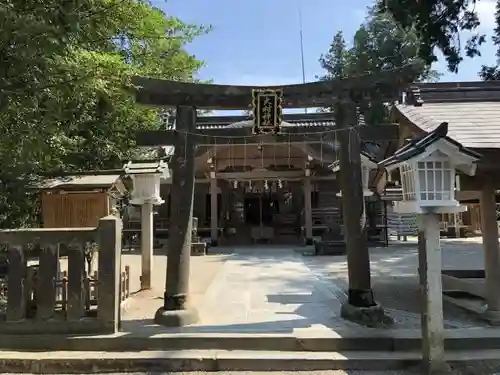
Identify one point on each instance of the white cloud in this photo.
(486, 13)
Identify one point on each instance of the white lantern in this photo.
(427, 168)
(146, 178)
(367, 164)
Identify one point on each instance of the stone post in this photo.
(214, 213)
(308, 211)
(109, 267)
(147, 238)
(175, 311)
(429, 256)
(491, 251)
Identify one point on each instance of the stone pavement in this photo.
(269, 289)
(265, 290)
(395, 280)
(275, 289)
(253, 290)
(142, 306)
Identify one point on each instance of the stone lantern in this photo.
(367, 165)
(146, 178)
(427, 168)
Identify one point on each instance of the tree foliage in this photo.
(379, 44)
(62, 100)
(492, 73)
(438, 24)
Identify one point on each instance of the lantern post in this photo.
(428, 167)
(146, 178)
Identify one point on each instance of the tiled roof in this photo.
(292, 119)
(471, 109)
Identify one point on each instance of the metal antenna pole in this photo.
(302, 51)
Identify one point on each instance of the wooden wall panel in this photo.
(73, 210)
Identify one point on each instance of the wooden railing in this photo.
(41, 300)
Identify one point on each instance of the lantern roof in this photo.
(147, 167)
(417, 149)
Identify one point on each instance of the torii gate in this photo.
(343, 95)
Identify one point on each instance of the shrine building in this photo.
(272, 192)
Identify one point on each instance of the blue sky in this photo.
(257, 42)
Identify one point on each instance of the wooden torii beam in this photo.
(343, 95)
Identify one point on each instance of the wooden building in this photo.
(79, 201)
(274, 192)
(472, 111)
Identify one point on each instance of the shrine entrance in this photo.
(268, 128)
(261, 209)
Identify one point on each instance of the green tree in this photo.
(492, 73)
(64, 69)
(379, 44)
(438, 24)
(336, 60)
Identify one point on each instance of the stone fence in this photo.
(33, 289)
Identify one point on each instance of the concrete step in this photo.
(348, 340)
(210, 360)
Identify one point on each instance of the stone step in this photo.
(378, 340)
(66, 362)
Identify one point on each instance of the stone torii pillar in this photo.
(175, 310)
(358, 259)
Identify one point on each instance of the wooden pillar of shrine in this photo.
(214, 212)
(308, 233)
(175, 310)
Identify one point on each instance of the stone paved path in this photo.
(273, 289)
(269, 290)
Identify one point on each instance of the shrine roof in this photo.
(416, 147)
(290, 120)
(471, 109)
(84, 182)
